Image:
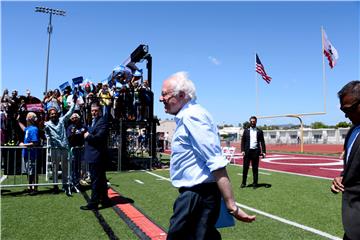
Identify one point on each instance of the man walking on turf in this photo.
(349, 180)
(252, 146)
(197, 167)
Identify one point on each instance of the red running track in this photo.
(317, 166)
(308, 148)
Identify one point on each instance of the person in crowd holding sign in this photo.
(197, 166)
(55, 132)
(105, 97)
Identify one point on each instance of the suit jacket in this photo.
(96, 142)
(351, 195)
(245, 141)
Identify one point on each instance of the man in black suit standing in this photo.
(349, 180)
(95, 155)
(252, 146)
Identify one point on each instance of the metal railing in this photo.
(40, 166)
(24, 166)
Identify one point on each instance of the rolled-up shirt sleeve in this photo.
(204, 137)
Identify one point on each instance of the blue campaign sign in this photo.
(77, 80)
(64, 85)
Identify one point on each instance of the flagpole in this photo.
(257, 89)
(323, 66)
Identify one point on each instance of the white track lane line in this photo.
(332, 169)
(280, 219)
(291, 173)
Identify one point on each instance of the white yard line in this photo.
(280, 219)
(138, 181)
(3, 178)
(160, 177)
(283, 220)
(291, 173)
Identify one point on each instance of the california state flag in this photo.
(329, 50)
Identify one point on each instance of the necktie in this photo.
(93, 122)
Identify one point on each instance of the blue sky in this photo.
(215, 42)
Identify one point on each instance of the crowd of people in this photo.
(61, 119)
(124, 96)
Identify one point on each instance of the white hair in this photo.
(31, 117)
(181, 83)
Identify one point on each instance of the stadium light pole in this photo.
(49, 11)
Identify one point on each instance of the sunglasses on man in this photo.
(350, 109)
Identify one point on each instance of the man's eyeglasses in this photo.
(167, 94)
(164, 94)
(350, 109)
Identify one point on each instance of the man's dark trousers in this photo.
(98, 183)
(196, 211)
(253, 156)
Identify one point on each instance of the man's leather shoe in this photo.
(243, 185)
(255, 185)
(106, 203)
(89, 207)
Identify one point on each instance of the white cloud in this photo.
(214, 60)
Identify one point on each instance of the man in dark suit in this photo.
(349, 180)
(252, 146)
(95, 155)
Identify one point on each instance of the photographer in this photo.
(75, 133)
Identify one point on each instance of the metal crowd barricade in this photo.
(48, 165)
(17, 165)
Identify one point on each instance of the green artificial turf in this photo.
(304, 200)
(49, 216)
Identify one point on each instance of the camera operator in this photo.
(75, 133)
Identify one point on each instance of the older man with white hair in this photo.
(197, 166)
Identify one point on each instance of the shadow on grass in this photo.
(121, 200)
(24, 193)
(113, 200)
(259, 185)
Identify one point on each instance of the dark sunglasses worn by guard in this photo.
(350, 109)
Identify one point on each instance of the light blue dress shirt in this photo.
(195, 148)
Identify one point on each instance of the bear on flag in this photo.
(329, 50)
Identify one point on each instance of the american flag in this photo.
(260, 69)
